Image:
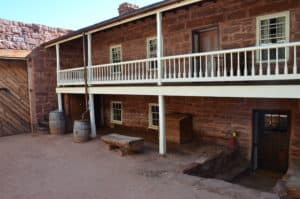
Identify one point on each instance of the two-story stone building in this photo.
(231, 65)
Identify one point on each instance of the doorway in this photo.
(206, 40)
(271, 140)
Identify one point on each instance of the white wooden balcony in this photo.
(260, 63)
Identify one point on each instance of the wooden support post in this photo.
(92, 116)
(60, 102)
(59, 95)
(162, 126)
(159, 46)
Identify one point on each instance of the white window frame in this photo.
(112, 113)
(150, 118)
(148, 53)
(285, 14)
(111, 58)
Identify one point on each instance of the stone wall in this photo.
(213, 118)
(21, 36)
(235, 20)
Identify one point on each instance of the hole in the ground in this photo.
(227, 165)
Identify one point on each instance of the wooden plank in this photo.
(14, 98)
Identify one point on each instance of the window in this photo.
(153, 116)
(116, 57)
(116, 112)
(276, 122)
(272, 29)
(152, 52)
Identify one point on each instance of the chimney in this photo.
(126, 8)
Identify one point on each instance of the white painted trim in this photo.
(150, 118)
(110, 52)
(285, 14)
(234, 91)
(70, 90)
(148, 39)
(112, 121)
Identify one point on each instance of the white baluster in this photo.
(238, 65)
(245, 64)
(269, 65)
(206, 66)
(277, 62)
(225, 66)
(179, 68)
(231, 65)
(184, 69)
(200, 67)
(253, 64)
(174, 68)
(195, 67)
(260, 62)
(218, 65)
(295, 60)
(285, 61)
(190, 68)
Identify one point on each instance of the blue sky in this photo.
(71, 14)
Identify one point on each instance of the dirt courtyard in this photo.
(47, 167)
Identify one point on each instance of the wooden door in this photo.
(14, 98)
(206, 40)
(74, 106)
(273, 141)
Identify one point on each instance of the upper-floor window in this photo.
(153, 116)
(152, 52)
(116, 57)
(116, 112)
(272, 29)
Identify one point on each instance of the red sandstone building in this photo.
(225, 66)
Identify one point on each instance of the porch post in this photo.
(89, 42)
(91, 96)
(92, 116)
(159, 46)
(59, 95)
(162, 125)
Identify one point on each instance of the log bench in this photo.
(125, 144)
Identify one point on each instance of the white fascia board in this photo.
(238, 91)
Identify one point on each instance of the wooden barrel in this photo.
(57, 123)
(81, 131)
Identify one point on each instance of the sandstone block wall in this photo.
(22, 36)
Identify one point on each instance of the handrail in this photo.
(267, 62)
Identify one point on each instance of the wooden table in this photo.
(125, 144)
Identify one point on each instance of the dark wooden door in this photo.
(272, 141)
(206, 40)
(74, 107)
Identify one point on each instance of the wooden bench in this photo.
(125, 144)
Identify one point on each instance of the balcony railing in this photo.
(259, 63)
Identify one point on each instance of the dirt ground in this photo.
(47, 167)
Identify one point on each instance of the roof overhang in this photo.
(139, 14)
(13, 54)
